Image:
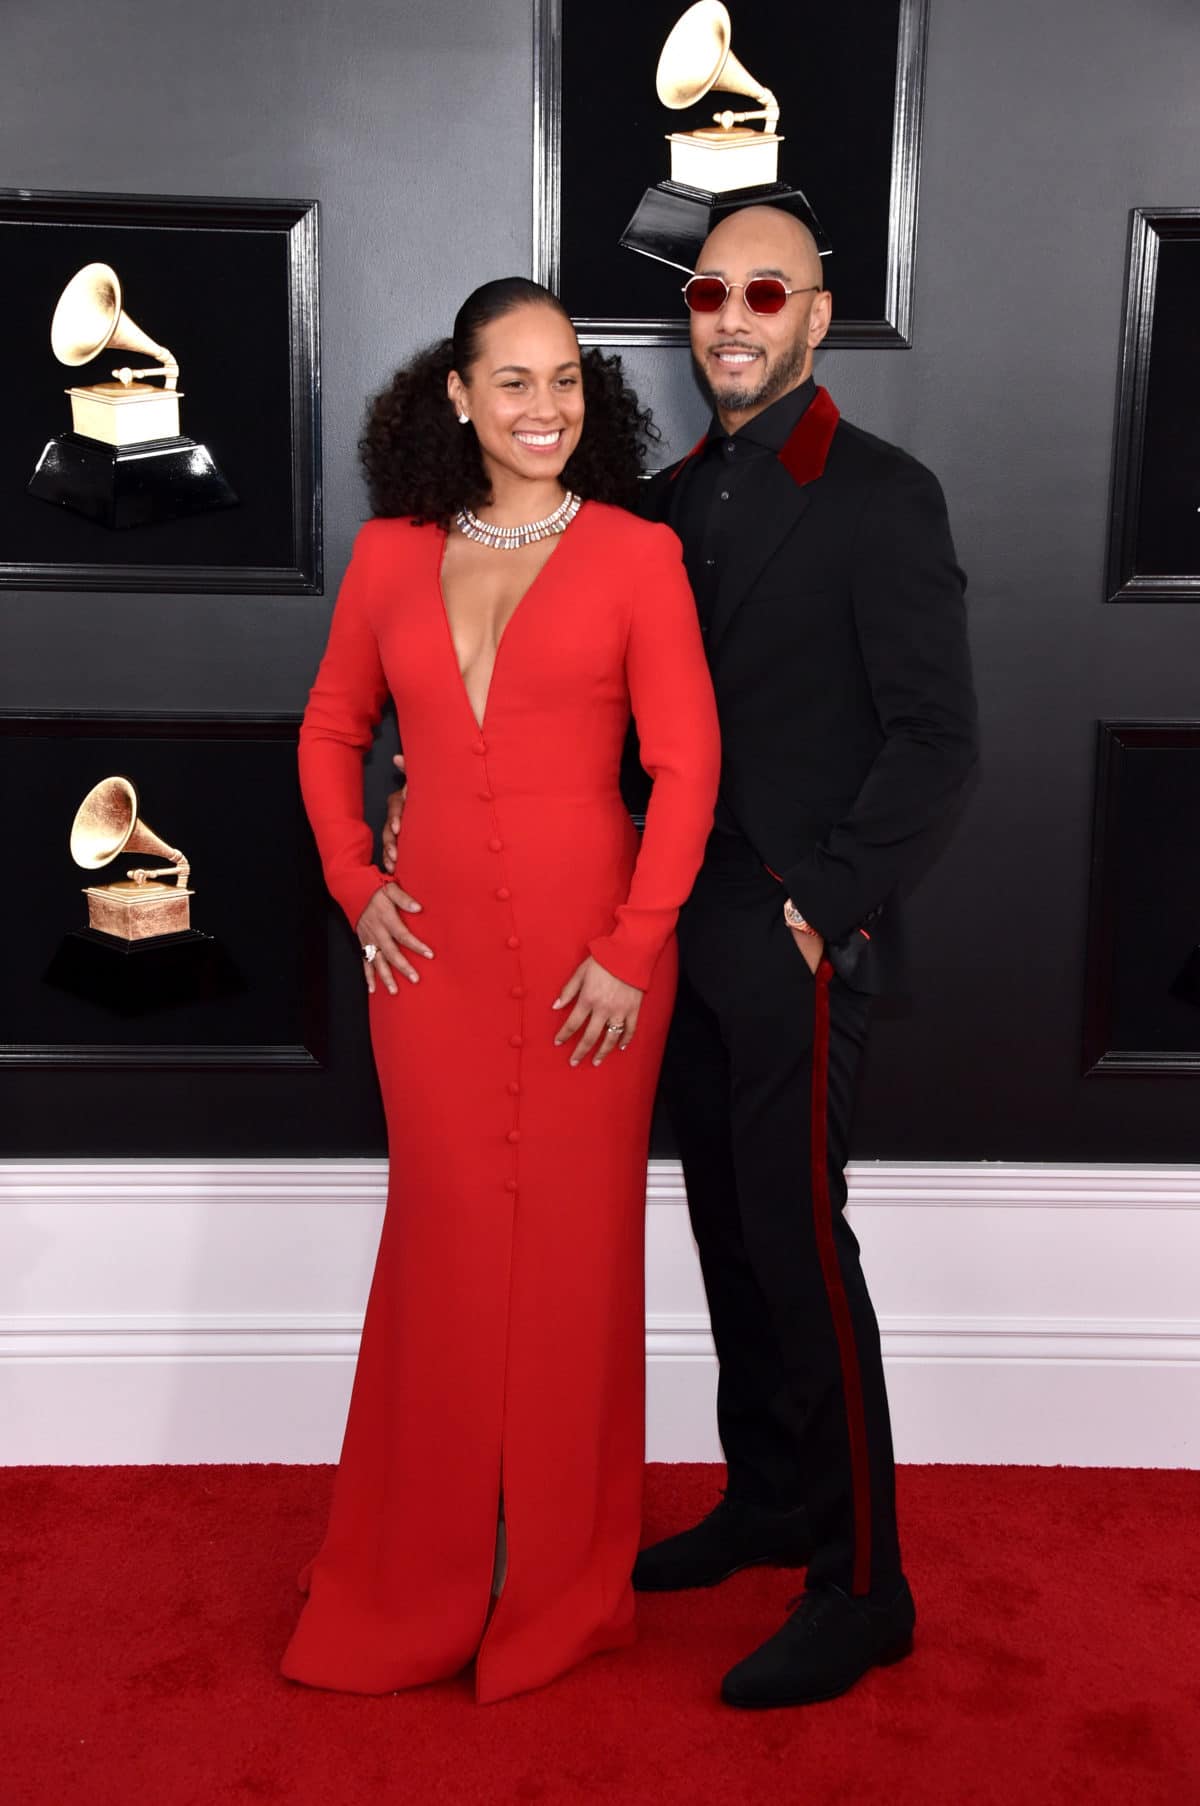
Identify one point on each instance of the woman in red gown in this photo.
(518, 1019)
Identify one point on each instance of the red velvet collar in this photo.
(804, 455)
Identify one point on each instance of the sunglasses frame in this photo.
(812, 288)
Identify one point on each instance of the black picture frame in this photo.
(225, 788)
(1142, 1004)
(855, 152)
(1154, 515)
(232, 286)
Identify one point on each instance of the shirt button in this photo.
(730, 448)
(504, 893)
(516, 1040)
(510, 1185)
(517, 991)
(495, 845)
(710, 562)
(514, 1090)
(512, 943)
(480, 749)
(514, 1135)
(724, 495)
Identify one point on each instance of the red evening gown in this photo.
(503, 1349)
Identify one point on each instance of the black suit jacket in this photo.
(839, 657)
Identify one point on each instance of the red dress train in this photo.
(503, 1348)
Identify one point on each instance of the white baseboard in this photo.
(165, 1311)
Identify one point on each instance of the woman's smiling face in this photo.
(524, 393)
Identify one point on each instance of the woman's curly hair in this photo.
(419, 461)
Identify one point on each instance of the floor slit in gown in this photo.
(496, 1596)
(500, 1566)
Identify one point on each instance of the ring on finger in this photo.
(369, 952)
(615, 1028)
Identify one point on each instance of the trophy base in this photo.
(138, 912)
(134, 978)
(721, 162)
(122, 486)
(1187, 981)
(125, 413)
(672, 221)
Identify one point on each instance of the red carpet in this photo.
(1058, 1660)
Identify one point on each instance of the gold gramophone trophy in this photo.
(125, 463)
(715, 168)
(138, 906)
(139, 952)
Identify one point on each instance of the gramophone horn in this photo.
(107, 823)
(697, 57)
(89, 319)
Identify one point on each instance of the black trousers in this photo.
(759, 1082)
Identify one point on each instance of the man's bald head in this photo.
(748, 360)
(764, 233)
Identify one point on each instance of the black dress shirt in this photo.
(711, 518)
(712, 512)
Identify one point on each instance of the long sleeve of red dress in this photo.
(672, 699)
(344, 708)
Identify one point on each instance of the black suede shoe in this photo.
(735, 1535)
(826, 1645)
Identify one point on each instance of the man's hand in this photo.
(608, 1007)
(395, 809)
(812, 946)
(382, 926)
(810, 943)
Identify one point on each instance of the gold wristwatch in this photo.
(794, 919)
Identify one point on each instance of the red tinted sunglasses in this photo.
(762, 294)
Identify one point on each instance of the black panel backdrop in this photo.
(220, 302)
(1169, 519)
(198, 787)
(411, 124)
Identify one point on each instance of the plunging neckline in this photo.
(480, 721)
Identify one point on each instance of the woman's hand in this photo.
(605, 1008)
(382, 926)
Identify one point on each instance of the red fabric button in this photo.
(485, 796)
(516, 1040)
(504, 893)
(510, 1185)
(495, 845)
(517, 991)
(514, 1090)
(512, 942)
(514, 1135)
(480, 749)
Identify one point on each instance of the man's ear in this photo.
(820, 317)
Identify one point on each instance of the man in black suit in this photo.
(832, 609)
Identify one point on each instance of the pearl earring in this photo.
(463, 419)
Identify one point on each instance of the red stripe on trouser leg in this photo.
(839, 1305)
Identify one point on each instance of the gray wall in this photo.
(1046, 120)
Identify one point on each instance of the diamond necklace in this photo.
(511, 539)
